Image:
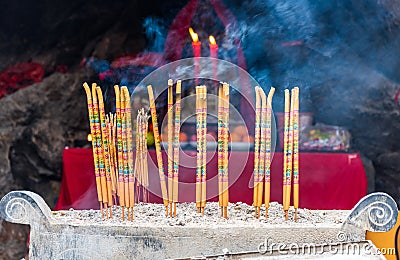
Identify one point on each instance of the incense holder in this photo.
(66, 235)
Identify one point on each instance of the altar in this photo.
(327, 180)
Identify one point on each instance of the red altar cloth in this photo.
(327, 180)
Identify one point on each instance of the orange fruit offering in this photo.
(248, 139)
(183, 137)
(240, 130)
(235, 137)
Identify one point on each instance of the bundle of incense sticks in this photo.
(107, 132)
(141, 166)
(223, 132)
(201, 127)
(177, 127)
(290, 163)
(94, 133)
(158, 148)
(262, 149)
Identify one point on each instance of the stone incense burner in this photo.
(77, 234)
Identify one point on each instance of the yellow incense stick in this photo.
(225, 149)
(94, 142)
(262, 150)
(296, 152)
(111, 153)
(290, 153)
(129, 133)
(220, 148)
(257, 140)
(285, 142)
(199, 150)
(176, 142)
(121, 188)
(105, 151)
(125, 148)
(204, 148)
(99, 146)
(170, 114)
(158, 147)
(268, 151)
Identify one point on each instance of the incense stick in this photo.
(204, 148)
(296, 152)
(105, 152)
(170, 115)
(268, 152)
(125, 148)
(289, 138)
(225, 182)
(94, 144)
(121, 188)
(262, 150)
(176, 143)
(198, 158)
(220, 149)
(99, 148)
(257, 140)
(131, 178)
(158, 147)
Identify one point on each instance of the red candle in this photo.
(196, 46)
(213, 47)
(214, 54)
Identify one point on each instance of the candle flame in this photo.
(195, 36)
(212, 39)
(89, 137)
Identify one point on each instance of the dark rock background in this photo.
(346, 64)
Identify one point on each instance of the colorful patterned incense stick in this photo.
(170, 115)
(114, 143)
(225, 183)
(125, 149)
(289, 163)
(199, 150)
(204, 148)
(102, 169)
(176, 143)
(257, 137)
(296, 152)
(285, 148)
(105, 152)
(94, 144)
(268, 152)
(111, 149)
(158, 147)
(121, 192)
(262, 150)
(129, 133)
(220, 148)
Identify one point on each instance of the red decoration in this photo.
(20, 76)
(328, 180)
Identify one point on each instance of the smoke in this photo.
(156, 32)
